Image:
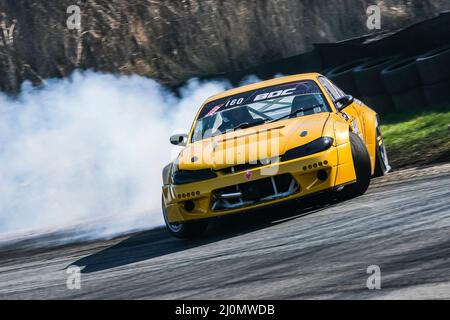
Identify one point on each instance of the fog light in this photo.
(322, 175)
(189, 205)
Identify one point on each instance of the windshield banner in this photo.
(283, 90)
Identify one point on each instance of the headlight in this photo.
(315, 146)
(188, 176)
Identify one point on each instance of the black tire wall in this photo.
(367, 75)
(434, 70)
(370, 85)
(402, 80)
(437, 94)
(434, 66)
(342, 76)
(334, 59)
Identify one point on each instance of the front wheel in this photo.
(186, 230)
(363, 170)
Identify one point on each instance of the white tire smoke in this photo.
(89, 149)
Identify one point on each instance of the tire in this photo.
(410, 100)
(382, 103)
(187, 230)
(342, 76)
(382, 166)
(401, 76)
(363, 169)
(437, 94)
(434, 66)
(325, 71)
(367, 76)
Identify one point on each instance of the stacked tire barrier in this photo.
(401, 79)
(434, 71)
(397, 83)
(368, 80)
(389, 71)
(342, 76)
(408, 69)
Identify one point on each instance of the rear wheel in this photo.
(186, 230)
(382, 166)
(361, 163)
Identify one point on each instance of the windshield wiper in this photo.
(295, 112)
(244, 125)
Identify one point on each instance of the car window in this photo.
(254, 107)
(337, 89)
(334, 92)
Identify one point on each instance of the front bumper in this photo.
(198, 200)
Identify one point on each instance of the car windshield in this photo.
(259, 106)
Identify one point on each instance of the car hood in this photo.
(252, 144)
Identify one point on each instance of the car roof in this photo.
(263, 84)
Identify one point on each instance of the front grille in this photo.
(240, 167)
(248, 166)
(249, 193)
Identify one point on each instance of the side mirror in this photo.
(179, 139)
(344, 102)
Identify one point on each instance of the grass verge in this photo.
(417, 137)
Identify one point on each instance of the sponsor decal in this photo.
(274, 94)
(214, 110)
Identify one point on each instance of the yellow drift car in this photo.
(268, 143)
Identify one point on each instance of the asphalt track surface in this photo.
(402, 224)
